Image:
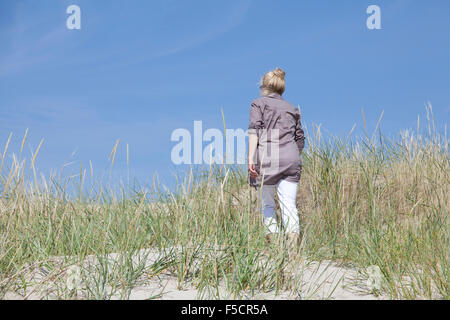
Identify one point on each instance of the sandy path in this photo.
(325, 280)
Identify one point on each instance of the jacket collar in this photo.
(275, 96)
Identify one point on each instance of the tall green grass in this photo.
(362, 202)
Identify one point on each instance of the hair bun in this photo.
(279, 73)
(273, 82)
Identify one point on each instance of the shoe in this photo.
(269, 237)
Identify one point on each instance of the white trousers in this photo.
(287, 195)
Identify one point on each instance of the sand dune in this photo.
(324, 280)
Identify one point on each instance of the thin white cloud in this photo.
(236, 17)
(28, 52)
(229, 21)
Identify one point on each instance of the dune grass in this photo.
(363, 202)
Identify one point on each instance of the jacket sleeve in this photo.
(299, 133)
(256, 119)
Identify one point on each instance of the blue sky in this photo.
(137, 70)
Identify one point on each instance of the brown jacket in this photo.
(281, 140)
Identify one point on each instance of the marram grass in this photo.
(369, 202)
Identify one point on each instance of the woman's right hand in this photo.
(252, 171)
(252, 146)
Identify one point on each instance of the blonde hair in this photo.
(273, 82)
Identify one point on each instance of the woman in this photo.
(276, 141)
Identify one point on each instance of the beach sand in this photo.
(324, 280)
